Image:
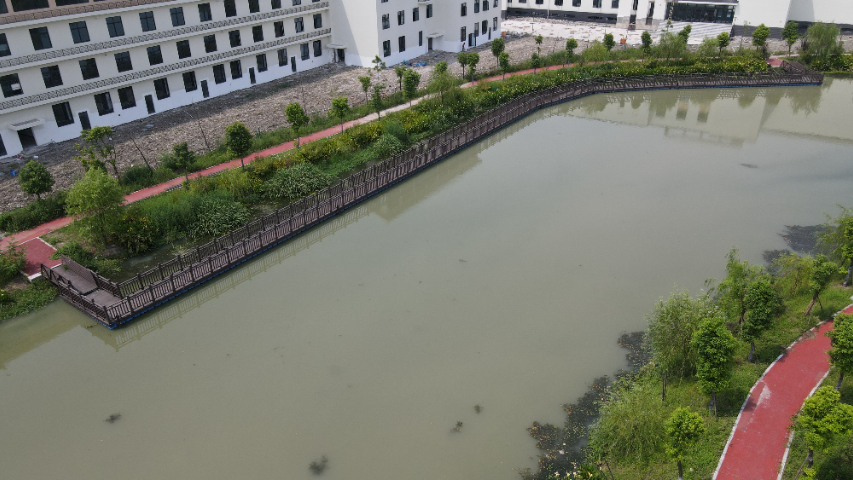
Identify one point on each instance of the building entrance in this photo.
(697, 12)
(28, 139)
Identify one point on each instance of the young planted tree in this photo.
(238, 141)
(822, 271)
(732, 290)
(646, 39)
(411, 80)
(791, 33)
(400, 70)
(671, 46)
(365, 85)
(183, 158)
(535, 61)
(462, 58)
(378, 64)
(715, 349)
(340, 109)
(759, 38)
(683, 429)
(98, 149)
(837, 239)
(95, 200)
(762, 305)
(821, 42)
(823, 419)
(473, 60)
(376, 99)
(684, 34)
(503, 61)
(841, 353)
(297, 118)
(498, 46)
(609, 42)
(440, 81)
(35, 179)
(723, 41)
(571, 45)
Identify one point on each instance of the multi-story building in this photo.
(68, 65)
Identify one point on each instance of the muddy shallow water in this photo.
(501, 277)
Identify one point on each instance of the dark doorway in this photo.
(470, 40)
(429, 44)
(292, 64)
(632, 20)
(149, 103)
(84, 120)
(204, 91)
(252, 75)
(28, 139)
(341, 55)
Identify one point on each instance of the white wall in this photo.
(827, 11)
(773, 13)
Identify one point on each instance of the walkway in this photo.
(760, 437)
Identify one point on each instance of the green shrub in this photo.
(217, 215)
(396, 129)
(137, 176)
(34, 214)
(173, 213)
(12, 260)
(79, 254)
(35, 296)
(388, 145)
(295, 182)
(135, 232)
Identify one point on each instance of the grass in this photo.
(25, 300)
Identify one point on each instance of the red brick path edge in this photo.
(758, 445)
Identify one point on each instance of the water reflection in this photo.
(710, 115)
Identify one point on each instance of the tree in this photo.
(538, 40)
(498, 46)
(684, 34)
(571, 45)
(411, 80)
(822, 271)
(762, 305)
(340, 108)
(440, 81)
(672, 46)
(821, 42)
(400, 70)
(683, 430)
(609, 42)
(98, 150)
(841, 353)
(183, 158)
(837, 240)
(824, 418)
(95, 199)
(473, 60)
(365, 86)
(462, 58)
(503, 61)
(715, 348)
(723, 41)
(732, 290)
(35, 179)
(646, 39)
(376, 99)
(759, 37)
(707, 48)
(791, 33)
(238, 141)
(378, 64)
(535, 61)
(297, 118)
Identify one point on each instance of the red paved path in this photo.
(760, 437)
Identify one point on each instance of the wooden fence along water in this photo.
(113, 304)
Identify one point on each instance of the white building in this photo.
(68, 65)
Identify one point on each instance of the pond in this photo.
(501, 277)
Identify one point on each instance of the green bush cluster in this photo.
(12, 261)
(34, 214)
(92, 261)
(33, 297)
(293, 183)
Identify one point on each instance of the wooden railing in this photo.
(157, 285)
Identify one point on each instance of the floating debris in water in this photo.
(478, 408)
(318, 467)
(458, 427)
(749, 165)
(113, 417)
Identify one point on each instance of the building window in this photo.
(429, 10)
(230, 8)
(204, 13)
(147, 21)
(21, 5)
(558, 3)
(485, 26)
(477, 29)
(89, 68)
(275, 4)
(279, 29)
(62, 114)
(177, 15)
(2, 147)
(386, 21)
(40, 38)
(495, 23)
(485, 5)
(262, 62)
(614, 4)
(297, 2)
(300, 26)
(51, 76)
(464, 9)
(462, 33)
(420, 39)
(495, 5)
(477, 6)
(234, 38)
(161, 88)
(596, 3)
(416, 14)
(236, 70)
(123, 63)
(303, 50)
(401, 43)
(210, 43)
(3, 9)
(318, 48)
(104, 103)
(258, 33)
(155, 57)
(115, 27)
(576, 3)
(318, 20)
(189, 81)
(4, 45)
(79, 32)
(184, 49)
(219, 73)
(126, 98)
(254, 6)
(10, 85)
(282, 57)
(401, 17)
(386, 48)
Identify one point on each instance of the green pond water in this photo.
(501, 277)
